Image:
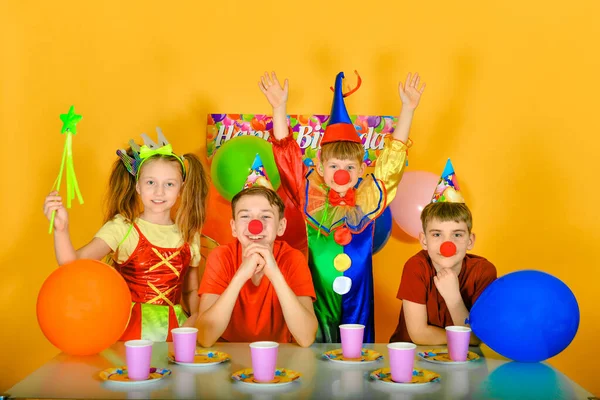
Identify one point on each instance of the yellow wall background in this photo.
(512, 98)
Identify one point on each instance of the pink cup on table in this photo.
(402, 361)
(352, 340)
(264, 360)
(184, 343)
(458, 338)
(138, 354)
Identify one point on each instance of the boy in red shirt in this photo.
(441, 283)
(256, 288)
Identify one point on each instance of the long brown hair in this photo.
(122, 197)
(192, 210)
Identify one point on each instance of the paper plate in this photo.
(441, 356)
(203, 358)
(367, 356)
(420, 377)
(120, 375)
(282, 377)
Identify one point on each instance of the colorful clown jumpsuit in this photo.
(340, 233)
(155, 278)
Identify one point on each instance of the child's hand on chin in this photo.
(265, 253)
(446, 282)
(249, 266)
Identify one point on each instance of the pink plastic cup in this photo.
(264, 360)
(352, 340)
(138, 354)
(184, 342)
(402, 361)
(458, 338)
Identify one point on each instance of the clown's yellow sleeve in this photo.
(378, 189)
(390, 165)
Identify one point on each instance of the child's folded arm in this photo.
(218, 294)
(459, 313)
(189, 296)
(299, 316)
(215, 313)
(298, 310)
(419, 330)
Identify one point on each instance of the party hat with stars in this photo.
(258, 175)
(447, 189)
(69, 128)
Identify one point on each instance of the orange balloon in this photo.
(83, 307)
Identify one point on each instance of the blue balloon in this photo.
(383, 230)
(527, 316)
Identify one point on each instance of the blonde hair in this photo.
(343, 151)
(444, 211)
(122, 197)
(269, 194)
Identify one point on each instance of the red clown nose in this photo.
(255, 227)
(448, 249)
(341, 177)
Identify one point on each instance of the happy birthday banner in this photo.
(307, 130)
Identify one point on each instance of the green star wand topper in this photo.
(69, 128)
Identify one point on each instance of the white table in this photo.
(77, 377)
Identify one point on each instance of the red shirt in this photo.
(417, 286)
(257, 314)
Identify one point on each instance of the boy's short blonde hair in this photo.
(343, 151)
(458, 212)
(269, 194)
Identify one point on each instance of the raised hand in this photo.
(410, 92)
(53, 202)
(276, 94)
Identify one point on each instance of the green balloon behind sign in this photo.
(233, 161)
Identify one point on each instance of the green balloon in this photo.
(233, 160)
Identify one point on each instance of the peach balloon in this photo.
(414, 192)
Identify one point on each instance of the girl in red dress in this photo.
(151, 235)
